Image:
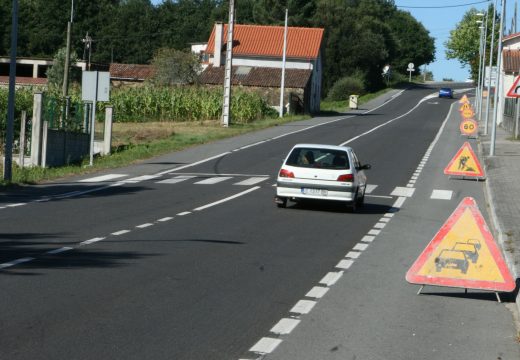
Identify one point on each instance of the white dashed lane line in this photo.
(285, 326)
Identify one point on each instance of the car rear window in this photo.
(319, 158)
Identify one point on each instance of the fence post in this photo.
(21, 155)
(36, 132)
(44, 143)
(107, 141)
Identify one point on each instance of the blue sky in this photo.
(441, 17)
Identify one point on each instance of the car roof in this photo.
(322, 146)
(445, 89)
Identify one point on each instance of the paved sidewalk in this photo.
(503, 192)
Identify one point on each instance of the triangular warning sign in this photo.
(463, 254)
(514, 91)
(465, 163)
(464, 100)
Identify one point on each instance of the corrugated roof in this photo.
(257, 40)
(511, 61)
(257, 76)
(131, 71)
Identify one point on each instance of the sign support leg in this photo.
(420, 289)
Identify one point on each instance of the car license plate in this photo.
(310, 191)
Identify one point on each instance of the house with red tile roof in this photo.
(257, 62)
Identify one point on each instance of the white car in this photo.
(324, 172)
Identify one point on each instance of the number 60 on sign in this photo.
(468, 127)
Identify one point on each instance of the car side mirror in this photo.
(365, 167)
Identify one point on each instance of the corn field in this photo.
(184, 104)
(142, 104)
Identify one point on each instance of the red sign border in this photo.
(463, 173)
(511, 92)
(509, 283)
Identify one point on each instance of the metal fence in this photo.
(64, 114)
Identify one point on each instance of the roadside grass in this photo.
(135, 142)
(335, 107)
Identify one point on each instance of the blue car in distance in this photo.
(446, 93)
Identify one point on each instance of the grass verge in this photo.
(135, 142)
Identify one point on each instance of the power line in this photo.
(445, 6)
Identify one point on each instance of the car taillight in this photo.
(346, 177)
(286, 173)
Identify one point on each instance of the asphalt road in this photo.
(187, 257)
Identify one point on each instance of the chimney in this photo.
(217, 53)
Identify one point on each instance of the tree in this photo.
(56, 71)
(464, 41)
(414, 44)
(175, 67)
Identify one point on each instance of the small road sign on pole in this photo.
(514, 91)
(411, 68)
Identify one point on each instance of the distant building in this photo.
(510, 70)
(257, 62)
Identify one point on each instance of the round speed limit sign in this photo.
(468, 127)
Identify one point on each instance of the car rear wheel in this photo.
(360, 201)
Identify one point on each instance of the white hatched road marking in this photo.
(58, 251)
(91, 241)
(176, 179)
(303, 307)
(402, 191)
(353, 254)
(442, 194)
(103, 178)
(360, 247)
(345, 264)
(368, 238)
(285, 326)
(317, 292)
(120, 232)
(140, 178)
(226, 199)
(370, 188)
(251, 181)
(16, 262)
(331, 278)
(265, 345)
(213, 180)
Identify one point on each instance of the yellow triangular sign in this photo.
(465, 163)
(464, 100)
(463, 254)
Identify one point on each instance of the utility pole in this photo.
(67, 55)
(226, 107)
(497, 89)
(282, 86)
(490, 75)
(8, 163)
(88, 44)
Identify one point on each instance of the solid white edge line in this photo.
(194, 164)
(227, 199)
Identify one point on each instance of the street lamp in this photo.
(479, 58)
(491, 50)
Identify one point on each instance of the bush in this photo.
(345, 87)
